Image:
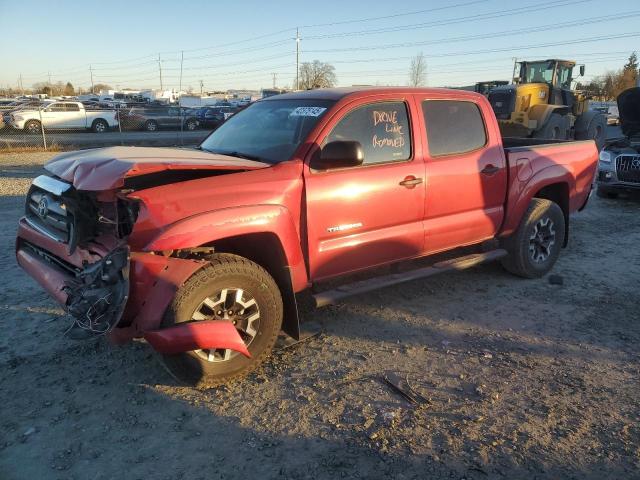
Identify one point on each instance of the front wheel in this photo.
(229, 289)
(555, 128)
(191, 125)
(32, 127)
(534, 248)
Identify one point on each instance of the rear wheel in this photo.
(151, 125)
(534, 248)
(191, 125)
(32, 127)
(592, 126)
(229, 289)
(99, 126)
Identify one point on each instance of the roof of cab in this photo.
(341, 92)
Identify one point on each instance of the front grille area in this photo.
(46, 210)
(503, 102)
(628, 168)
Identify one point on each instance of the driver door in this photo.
(55, 116)
(368, 215)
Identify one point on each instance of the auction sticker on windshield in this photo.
(307, 111)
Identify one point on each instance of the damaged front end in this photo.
(97, 296)
(74, 244)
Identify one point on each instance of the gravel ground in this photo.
(520, 379)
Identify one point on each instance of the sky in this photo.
(242, 44)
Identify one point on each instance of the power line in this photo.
(484, 36)
(451, 21)
(396, 15)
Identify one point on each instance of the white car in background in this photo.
(63, 115)
(613, 115)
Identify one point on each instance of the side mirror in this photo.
(582, 70)
(339, 154)
(516, 79)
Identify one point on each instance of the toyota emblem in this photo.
(43, 207)
(636, 162)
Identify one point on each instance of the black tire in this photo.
(521, 259)
(151, 126)
(592, 126)
(224, 272)
(191, 125)
(33, 127)
(99, 126)
(554, 129)
(603, 192)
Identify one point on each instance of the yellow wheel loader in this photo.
(542, 104)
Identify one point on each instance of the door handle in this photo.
(410, 181)
(489, 169)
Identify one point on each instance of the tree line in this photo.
(613, 82)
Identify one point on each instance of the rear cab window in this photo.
(382, 128)
(453, 127)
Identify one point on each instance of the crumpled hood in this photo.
(106, 168)
(629, 111)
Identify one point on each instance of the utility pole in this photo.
(160, 70)
(274, 79)
(297, 60)
(21, 85)
(201, 85)
(91, 73)
(50, 87)
(180, 100)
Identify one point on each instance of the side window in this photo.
(56, 107)
(72, 107)
(453, 127)
(381, 128)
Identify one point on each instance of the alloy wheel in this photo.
(230, 305)
(542, 239)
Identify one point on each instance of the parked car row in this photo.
(99, 116)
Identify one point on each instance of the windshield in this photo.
(269, 131)
(537, 72)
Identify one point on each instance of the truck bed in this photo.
(515, 142)
(560, 167)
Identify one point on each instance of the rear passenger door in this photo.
(173, 117)
(465, 171)
(75, 118)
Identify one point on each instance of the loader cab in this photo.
(556, 75)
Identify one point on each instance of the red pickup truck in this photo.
(203, 251)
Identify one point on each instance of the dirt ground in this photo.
(522, 379)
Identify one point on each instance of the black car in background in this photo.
(153, 118)
(214, 115)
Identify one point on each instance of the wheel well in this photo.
(99, 120)
(266, 250)
(559, 194)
